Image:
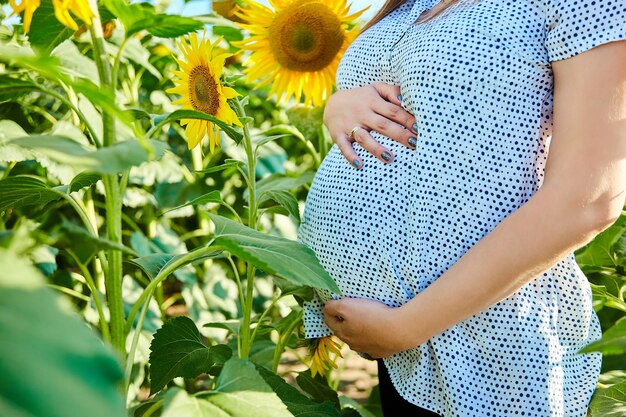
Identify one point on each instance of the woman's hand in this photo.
(373, 107)
(368, 326)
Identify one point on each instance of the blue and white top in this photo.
(479, 81)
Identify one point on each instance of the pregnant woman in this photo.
(477, 145)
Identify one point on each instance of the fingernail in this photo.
(386, 156)
(400, 97)
(356, 163)
(415, 127)
(413, 142)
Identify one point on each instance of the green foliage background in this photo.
(55, 243)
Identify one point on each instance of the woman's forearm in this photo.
(521, 247)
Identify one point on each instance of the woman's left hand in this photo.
(368, 326)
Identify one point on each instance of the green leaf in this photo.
(350, 403)
(275, 255)
(141, 16)
(22, 190)
(41, 339)
(83, 180)
(46, 32)
(613, 341)
(300, 292)
(193, 114)
(165, 26)
(229, 163)
(281, 182)
(178, 403)
(317, 387)
(177, 350)
(609, 402)
(297, 403)
(285, 199)
(241, 392)
(12, 88)
(232, 326)
(80, 235)
(153, 264)
(74, 63)
(110, 160)
(600, 250)
(600, 292)
(212, 197)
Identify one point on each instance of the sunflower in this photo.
(200, 87)
(319, 350)
(296, 46)
(62, 9)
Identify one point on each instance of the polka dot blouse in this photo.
(479, 81)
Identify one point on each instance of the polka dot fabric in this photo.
(478, 79)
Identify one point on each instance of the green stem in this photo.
(164, 273)
(116, 63)
(113, 280)
(92, 132)
(245, 333)
(282, 341)
(133, 348)
(238, 280)
(70, 291)
(104, 326)
(265, 313)
(154, 407)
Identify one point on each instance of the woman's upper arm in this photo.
(586, 44)
(587, 152)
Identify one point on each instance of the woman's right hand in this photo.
(375, 107)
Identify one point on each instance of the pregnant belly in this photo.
(360, 223)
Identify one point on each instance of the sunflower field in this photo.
(153, 169)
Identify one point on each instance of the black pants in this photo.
(392, 403)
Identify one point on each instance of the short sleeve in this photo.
(314, 324)
(575, 26)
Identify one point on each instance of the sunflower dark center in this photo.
(306, 36)
(203, 93)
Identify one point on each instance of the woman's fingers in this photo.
(367, 142)
(389, 92)
(345, 146)
(397, 114)
(389, 128)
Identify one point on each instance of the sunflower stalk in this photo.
(113, 198)
(245, 332)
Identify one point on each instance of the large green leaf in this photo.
(613, 341)
(179, 403)
(297, 403)
(111, 160)
(609, 402)
(317, 387)
(165, 26)
(281, 182)
(137, 17)
(52, 365)
(178, 350)
(274, 255)
(241, 392)
(22, 190)
(285, 199)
